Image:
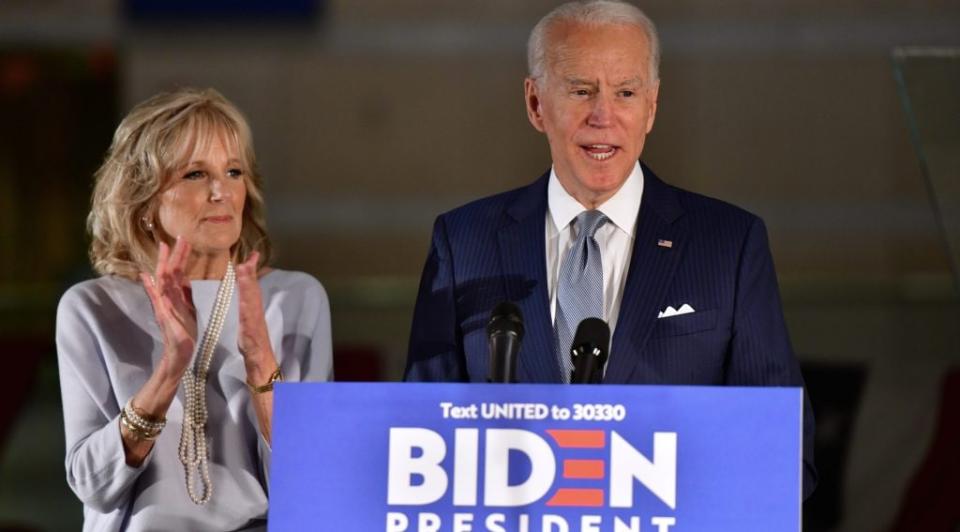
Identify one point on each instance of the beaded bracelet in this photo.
(136, 432)
(142, 425)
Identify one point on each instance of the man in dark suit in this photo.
(688, 284)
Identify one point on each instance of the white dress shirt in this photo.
(615, 238)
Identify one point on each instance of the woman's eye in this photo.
(235, 172)
(196, 174)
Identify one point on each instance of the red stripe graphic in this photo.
(580, 439)
(583, 469)
(576, 497)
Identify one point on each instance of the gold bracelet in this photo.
(268, 387)
(138, 433)
(143, 419)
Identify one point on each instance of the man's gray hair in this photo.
(594, 12)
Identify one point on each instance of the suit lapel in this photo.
(522, 256)
(652, 266)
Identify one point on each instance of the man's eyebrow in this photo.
(638, 80)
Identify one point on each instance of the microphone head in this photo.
(506, 318)
(592, 333)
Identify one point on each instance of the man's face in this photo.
(596, 105)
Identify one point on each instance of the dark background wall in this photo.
(371, 117)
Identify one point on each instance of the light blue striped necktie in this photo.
(579, 287)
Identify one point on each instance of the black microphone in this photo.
(589, 351)
(504, 333)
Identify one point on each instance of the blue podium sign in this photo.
(531, 458)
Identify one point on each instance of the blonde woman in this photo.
(168, 359)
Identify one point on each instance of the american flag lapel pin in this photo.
(664, 243)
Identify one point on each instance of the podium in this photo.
(534, 457)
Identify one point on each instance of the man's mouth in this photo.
(600, 152)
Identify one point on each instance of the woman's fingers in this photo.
(248, 285)
(176, 338)
(186, 292)
(172, 261)
(175, 284)
(172, 290)
(252, 260)
(178, 261)
(181, 251)
(169, 291)
(163, 253)
(253, 328)
(161, 276)
(149, 287)
(161, 306)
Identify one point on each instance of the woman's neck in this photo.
(202, 266)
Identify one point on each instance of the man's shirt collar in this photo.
(622, 208)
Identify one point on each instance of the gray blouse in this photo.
(108, 343)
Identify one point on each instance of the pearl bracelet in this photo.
(142, 425)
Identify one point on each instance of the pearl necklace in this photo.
(193, 437)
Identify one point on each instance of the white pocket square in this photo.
(670, 311)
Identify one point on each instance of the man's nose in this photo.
(601, 114)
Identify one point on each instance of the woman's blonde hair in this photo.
(153, 140)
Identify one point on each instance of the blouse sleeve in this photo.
(95, 463)
(308, 354)
(317, 365)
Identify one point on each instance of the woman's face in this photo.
(202, 201)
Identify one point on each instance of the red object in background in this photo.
(25, 354)
(102, 62)
(354, 363)
(18, 73)
(932, 502)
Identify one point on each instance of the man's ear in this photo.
(653, 96)
(531, 95)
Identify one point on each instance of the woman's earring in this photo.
(147, 224)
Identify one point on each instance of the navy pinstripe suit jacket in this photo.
(493, 250)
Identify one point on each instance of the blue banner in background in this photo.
(531, 458)
(189, 11)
